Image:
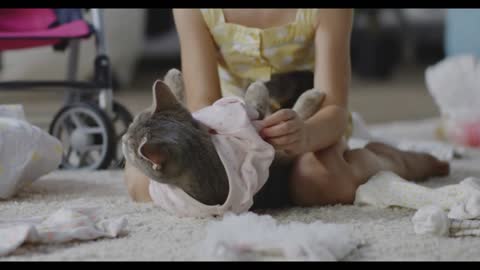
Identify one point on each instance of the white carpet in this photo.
(152, 235)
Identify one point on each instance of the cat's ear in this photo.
(163, 98)
(174, 80)
(152, 153)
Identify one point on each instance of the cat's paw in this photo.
(174, 80)
(309, 103)
(257, 96)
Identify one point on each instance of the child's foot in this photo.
(422, 166)
(412, 165)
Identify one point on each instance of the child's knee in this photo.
(327, 188)
(345, 184)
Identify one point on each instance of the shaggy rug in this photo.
(387, 234)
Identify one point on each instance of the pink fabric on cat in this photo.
(245, 156)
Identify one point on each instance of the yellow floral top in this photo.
(248, 54)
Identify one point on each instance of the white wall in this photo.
(125, 36)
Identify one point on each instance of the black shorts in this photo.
(275, 193)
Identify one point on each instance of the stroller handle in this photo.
(99, 26)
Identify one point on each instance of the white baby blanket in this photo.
(462, 220)
(387, 189)
(26, 151)
(462, 201)
(252, 237)
(65, 225)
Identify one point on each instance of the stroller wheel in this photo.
(87, 136)
(120, 121)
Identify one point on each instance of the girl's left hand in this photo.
(286, 131)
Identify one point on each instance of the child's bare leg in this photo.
(332, 176)
(137, 184)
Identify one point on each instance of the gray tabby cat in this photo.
(177, 149)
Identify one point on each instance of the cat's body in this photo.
(169, 146)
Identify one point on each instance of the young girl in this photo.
(224, 50)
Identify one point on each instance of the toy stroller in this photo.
(91, 123)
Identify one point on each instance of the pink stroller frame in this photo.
(91, 123)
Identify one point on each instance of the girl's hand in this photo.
(286, 131)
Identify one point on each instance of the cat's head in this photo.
(164, 140)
